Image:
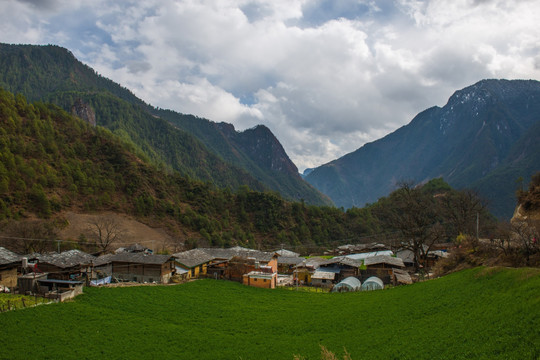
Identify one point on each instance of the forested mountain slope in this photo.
(53, 74)
(51, 161)
(484, 138)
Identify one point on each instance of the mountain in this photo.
(484, 138)
(194, 147)
(52, 162)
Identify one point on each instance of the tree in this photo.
(414, 215)
(460, 210)
(31, 236)
(526, 235)
(105, 231)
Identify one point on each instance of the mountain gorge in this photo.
(485, 138)
(195, 147)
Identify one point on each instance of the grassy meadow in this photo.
(474, 314)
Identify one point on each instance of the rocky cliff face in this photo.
(84, 111)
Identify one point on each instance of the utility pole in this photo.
(477, 226)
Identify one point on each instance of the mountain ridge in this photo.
(53, 74)
(466, 140)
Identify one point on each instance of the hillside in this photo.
(52, 162)
(53, 74)
(484, 138)
(484, 313)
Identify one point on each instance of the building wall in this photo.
(142, 272)
(8, 277)
(260, 282)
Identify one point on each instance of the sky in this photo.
(326, 76)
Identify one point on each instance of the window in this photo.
(264, 280)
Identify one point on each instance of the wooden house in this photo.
(67, 265)
(346, 267)
(194, 261)
(287, 265)
(142, 267)
(9, 262)
(382, 266)
(323, 278)
(305, 269)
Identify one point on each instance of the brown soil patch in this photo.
(135, 232)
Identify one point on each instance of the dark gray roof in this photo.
(193, 257)
(384, 259)
(67, 259)
(141, 258)
(287, 253)
(103, 260)
(200, 256)
(402, 277)
(290, 260)
(8, 257)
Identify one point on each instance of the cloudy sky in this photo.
(326, 76)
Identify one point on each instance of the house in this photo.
(432, 257)
(219, 263)
(264, 277)
(324, 278)
(67, 265)
(381, 266)
(194, 262)
(9, 262)
(141, 267)
(287, 265)
(307, 268)
(59, 289)
(346, 266)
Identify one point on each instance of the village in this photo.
(62, 276)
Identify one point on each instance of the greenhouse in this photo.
(372, 283)
(348, 284)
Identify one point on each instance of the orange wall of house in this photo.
(260, 283)
(274, 264)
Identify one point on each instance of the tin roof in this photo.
(363, 256)
(342, 260)
(384, 259)
(8, 257)
(323, 275)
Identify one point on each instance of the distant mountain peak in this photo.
(482, 139)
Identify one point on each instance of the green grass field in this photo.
(474, 314)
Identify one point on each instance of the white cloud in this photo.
(324, 76)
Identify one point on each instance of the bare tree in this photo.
(105, 231)
(526, 235)
(415, 216)
(29, 236)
